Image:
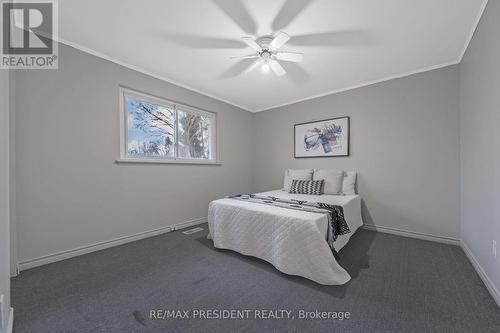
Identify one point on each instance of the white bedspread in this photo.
(293, 241)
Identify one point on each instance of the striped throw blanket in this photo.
(336, 222)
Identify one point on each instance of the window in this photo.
(157, 130)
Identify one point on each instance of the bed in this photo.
(293, 241)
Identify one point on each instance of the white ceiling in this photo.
(345, 43)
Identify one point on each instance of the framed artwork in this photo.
(323, 138)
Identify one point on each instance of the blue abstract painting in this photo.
(322, 138)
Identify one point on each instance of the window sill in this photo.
(159, 161)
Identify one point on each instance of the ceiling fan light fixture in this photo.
(267, 53)
(266, 67)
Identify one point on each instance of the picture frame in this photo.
(322, 138)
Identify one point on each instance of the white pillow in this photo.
(349, 182)
(301, 174)
(333, 180)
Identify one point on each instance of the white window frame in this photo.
(124, 158)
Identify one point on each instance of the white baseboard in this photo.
(412, 234)
(58, 256)
(10, 323)
(481, 272)
(126, 239)
(16, 272)
(447, 240)
(189, 223)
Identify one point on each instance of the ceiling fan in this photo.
(267, 54)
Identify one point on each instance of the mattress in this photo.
(293, 241)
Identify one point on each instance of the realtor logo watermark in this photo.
(28, 30)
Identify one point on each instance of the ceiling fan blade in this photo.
(237, 67)
(238, 13)
(250, 56)
(252, 43)
(288, 12)
(280, 40)
(253, 66)
(296, 73)
(335, 38)
(201, 42)
(290, 56)
(277, 68)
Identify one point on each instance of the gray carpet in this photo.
(398, 285)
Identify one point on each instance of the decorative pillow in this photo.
(333, 180)
(349, 183)
(300, 174)
(306, 186)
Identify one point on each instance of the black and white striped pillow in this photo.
(306, 186)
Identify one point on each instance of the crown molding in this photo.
(146, 72)
(361, 85)
(473, 30)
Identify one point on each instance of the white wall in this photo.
(12, 179)
(69, 191)
(404, 144)
(4, 195)
(480, 141)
